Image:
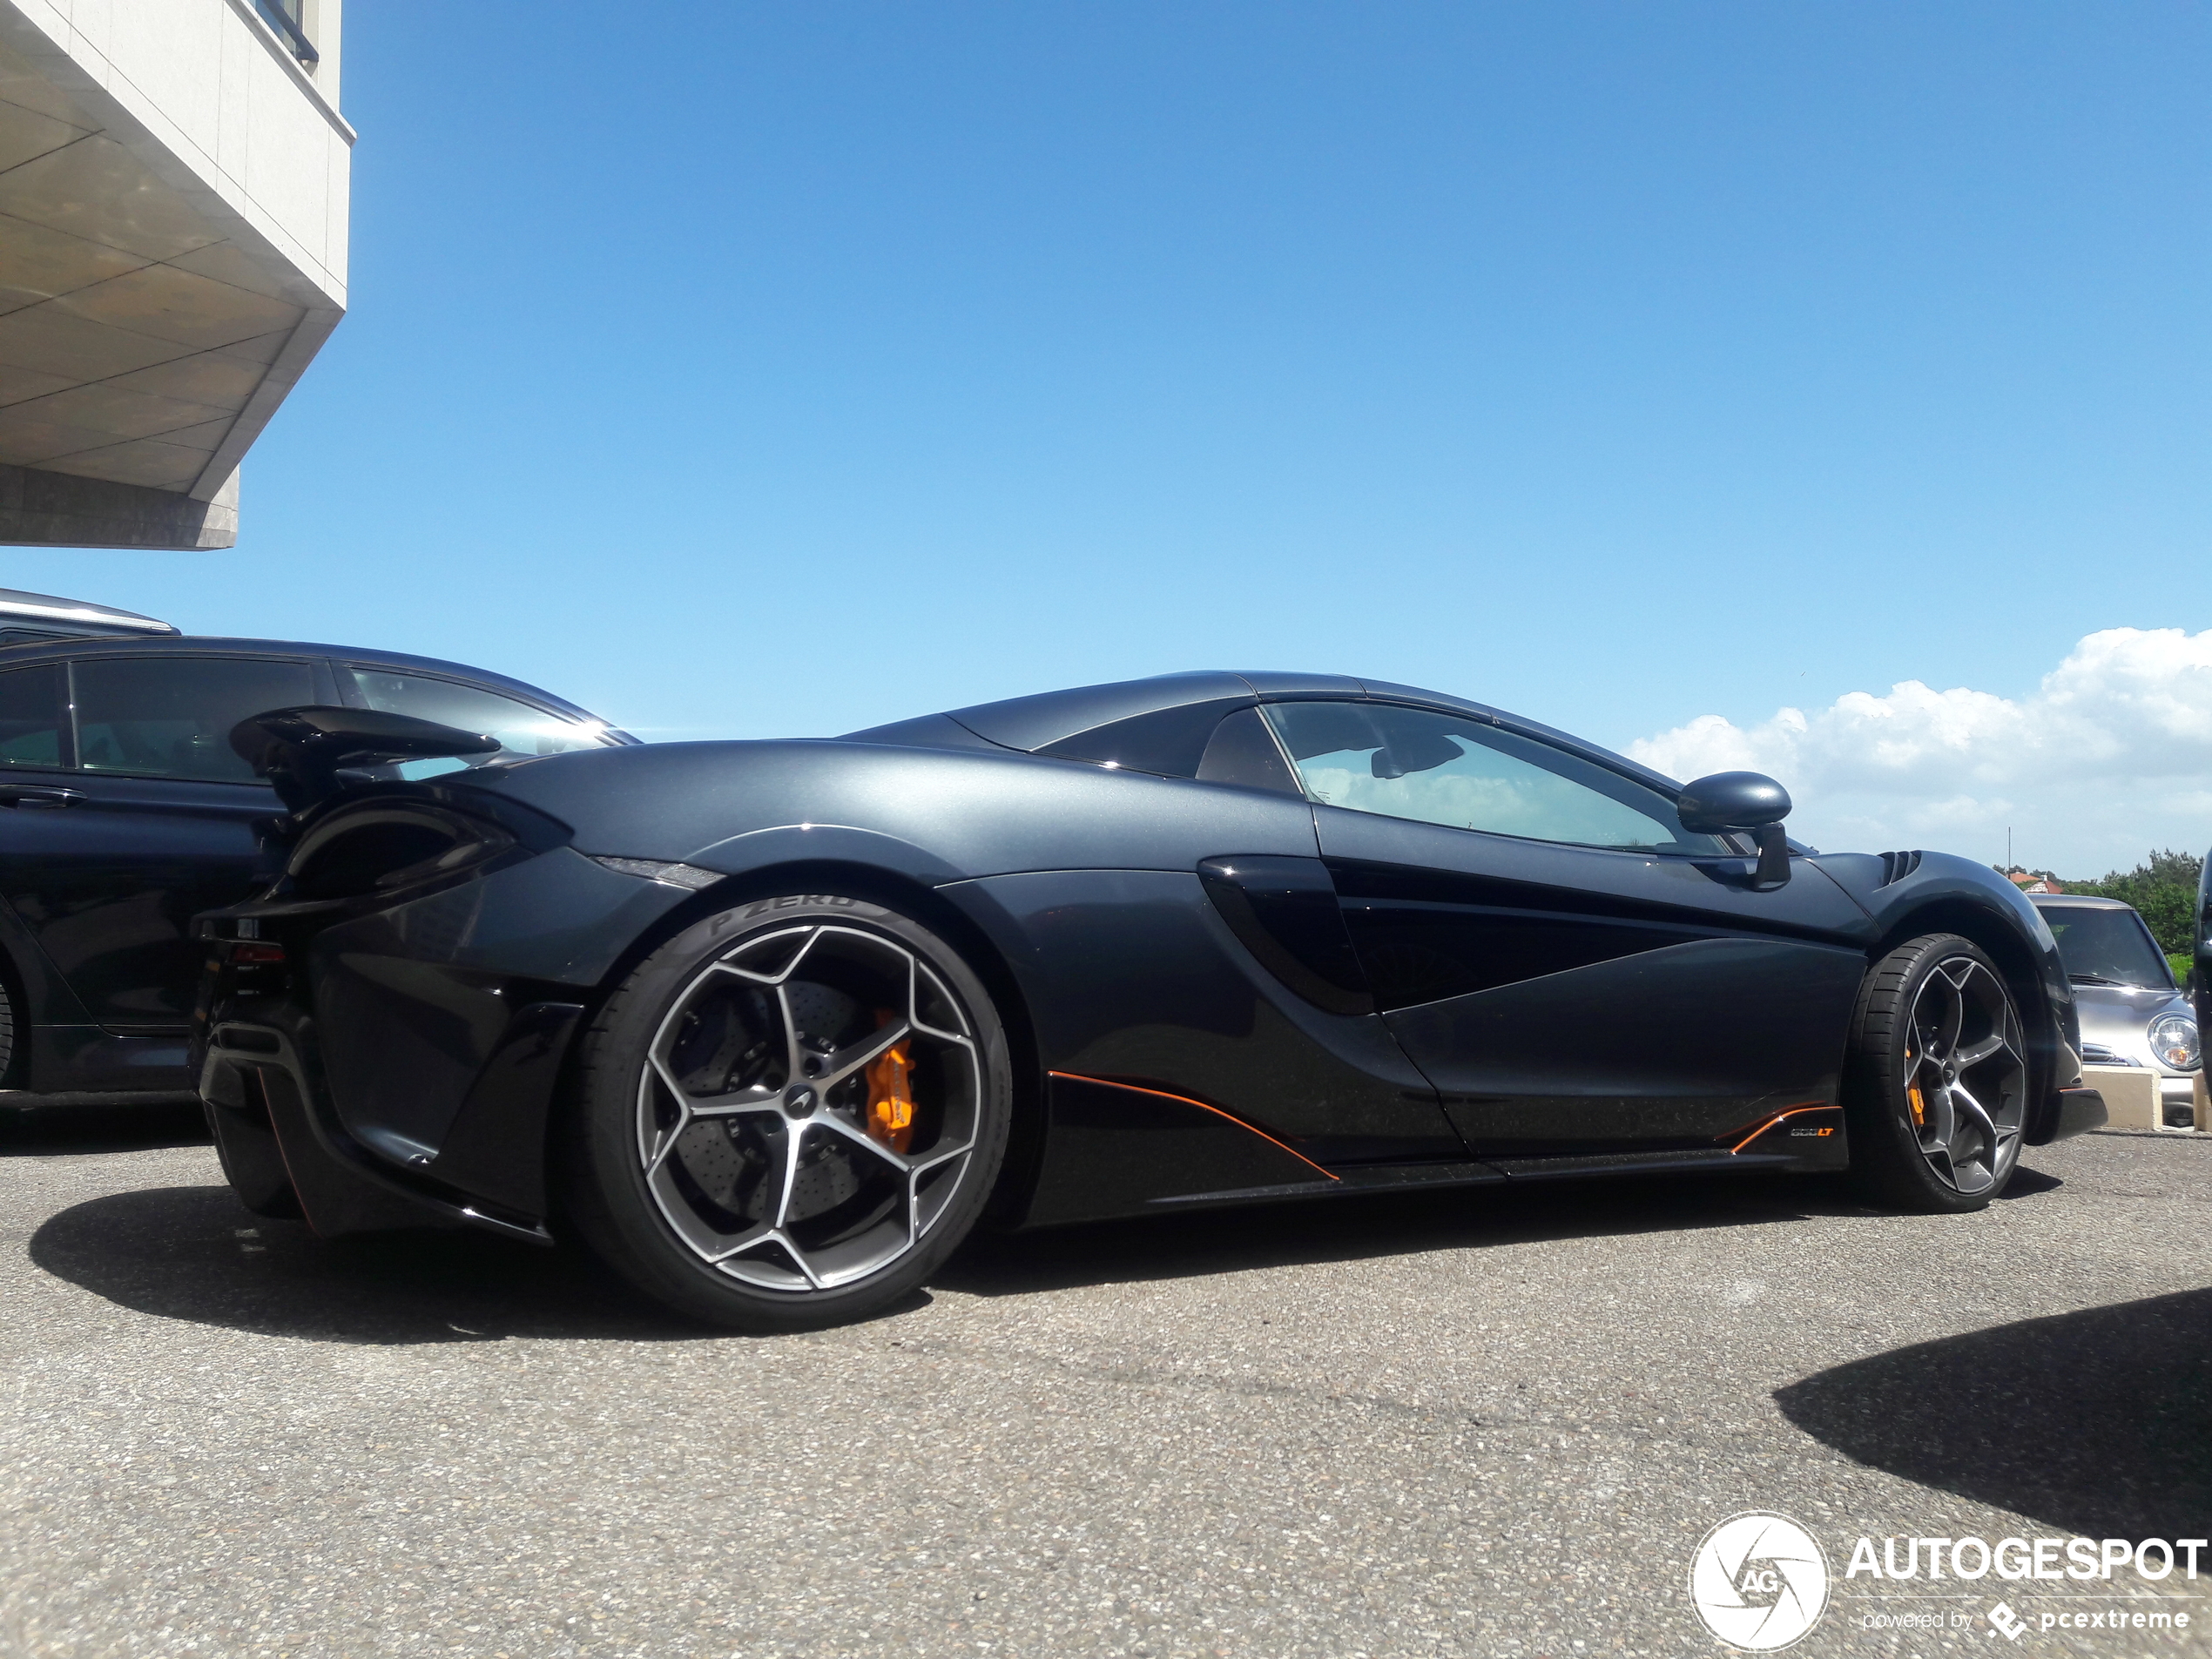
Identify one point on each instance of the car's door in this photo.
(1576, 973)
(128, 813)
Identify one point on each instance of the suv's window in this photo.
(523, 731)
(170, 717)
(1443, 769)
(30, 717)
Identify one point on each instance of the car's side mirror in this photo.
(1741, 800)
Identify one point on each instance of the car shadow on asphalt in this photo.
(196, 1253)
(1383, 1224)
(2026, 1182)
(2092, 1421)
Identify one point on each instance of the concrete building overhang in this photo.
(174, 203)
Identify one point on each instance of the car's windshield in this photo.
(2107, 946)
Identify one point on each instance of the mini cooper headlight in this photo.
(2174, 1042)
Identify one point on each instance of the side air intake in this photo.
(1897, 866)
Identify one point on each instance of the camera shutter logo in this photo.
(1759, 1581)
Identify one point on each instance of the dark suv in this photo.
(124, 812)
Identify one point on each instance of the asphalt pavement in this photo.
(1475, 1423)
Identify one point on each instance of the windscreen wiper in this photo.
(2096, 979)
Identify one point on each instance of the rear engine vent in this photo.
(380, 849)
(1897, 866)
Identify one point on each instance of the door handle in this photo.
(38, 798)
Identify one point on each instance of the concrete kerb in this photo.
(2131, 1096)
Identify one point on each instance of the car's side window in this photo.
(1169, 742)
(1468, 774)
(524, 732)
(31, 715)
(1242, 753)
(170, 717)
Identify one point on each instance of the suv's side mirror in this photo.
(1741, 800)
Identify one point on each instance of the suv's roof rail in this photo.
(25, 616)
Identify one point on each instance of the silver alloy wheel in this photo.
(1966, 1075)
(808, 1107)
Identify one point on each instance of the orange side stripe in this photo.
(1185, 1100)
(1793, 1112)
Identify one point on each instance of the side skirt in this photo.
(1367, 1179)
(1115, 1148)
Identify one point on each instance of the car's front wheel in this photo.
(1936, 1081)
(789, 1114)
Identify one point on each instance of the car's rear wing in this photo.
(302, 751)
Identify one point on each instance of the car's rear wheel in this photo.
(789, 1114)
(1936, 1084)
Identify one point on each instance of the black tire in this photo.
(697, 1122)
(1935, 1120)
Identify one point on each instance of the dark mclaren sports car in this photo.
(770, 1026)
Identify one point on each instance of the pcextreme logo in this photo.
(1758, 1580)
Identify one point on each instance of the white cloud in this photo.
(2110, 757)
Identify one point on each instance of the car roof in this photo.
(1031, 723)
(213, 645)
(2075, 901)
(50, 610)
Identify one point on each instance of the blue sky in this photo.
(744, 369)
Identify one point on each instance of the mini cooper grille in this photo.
(1897, 866)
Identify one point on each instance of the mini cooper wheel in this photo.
(1937, 1078)
(789, 1114)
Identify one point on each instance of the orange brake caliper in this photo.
(1912, 1093)
(890, 1098)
